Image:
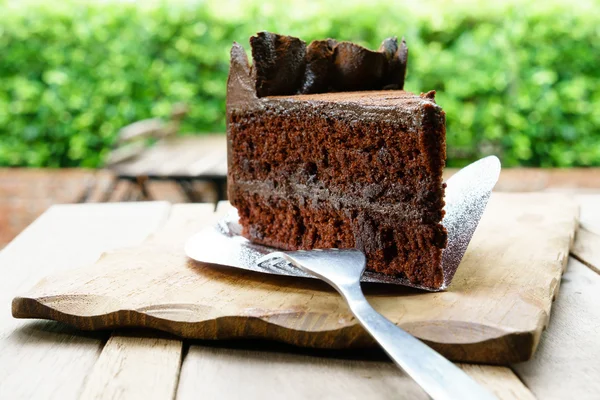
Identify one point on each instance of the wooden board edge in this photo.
(505, 349)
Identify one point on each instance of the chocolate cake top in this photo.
(246, 90)
(284, 65)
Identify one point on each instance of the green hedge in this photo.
(519, 80)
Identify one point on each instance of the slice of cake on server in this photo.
(326, 150)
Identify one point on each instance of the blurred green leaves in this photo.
(518, 79)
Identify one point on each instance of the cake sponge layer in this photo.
(393, 246)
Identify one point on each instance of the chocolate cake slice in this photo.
(326, 150)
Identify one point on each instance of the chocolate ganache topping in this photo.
(284, 65)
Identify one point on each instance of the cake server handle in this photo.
(440, 378)
(342, 269)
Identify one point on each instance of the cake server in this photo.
(467, 194)
(342, 269)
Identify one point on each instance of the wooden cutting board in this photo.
(493, 312)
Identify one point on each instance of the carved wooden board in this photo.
(494, 311)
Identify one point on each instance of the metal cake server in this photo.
(342, 269)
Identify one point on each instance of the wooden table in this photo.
(41, 359)
(183, 159)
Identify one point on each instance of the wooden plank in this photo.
(566, 365)
(145, 367)
(49, 360)
(196, 156)
(587, 249)
(208, 372)
(133, 367)
(188, 156)
(494, 311)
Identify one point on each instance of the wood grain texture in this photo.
(46, 360)
(567, 363)
(135, 368)
(209, 372)
(494, 311)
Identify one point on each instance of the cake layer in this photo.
(393, 245)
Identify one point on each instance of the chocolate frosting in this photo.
(279, 63)
(319, 59)
(284, 65)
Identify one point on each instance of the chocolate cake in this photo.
(326, 150)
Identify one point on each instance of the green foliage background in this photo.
(519, 79)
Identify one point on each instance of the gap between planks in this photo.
(586, 249)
